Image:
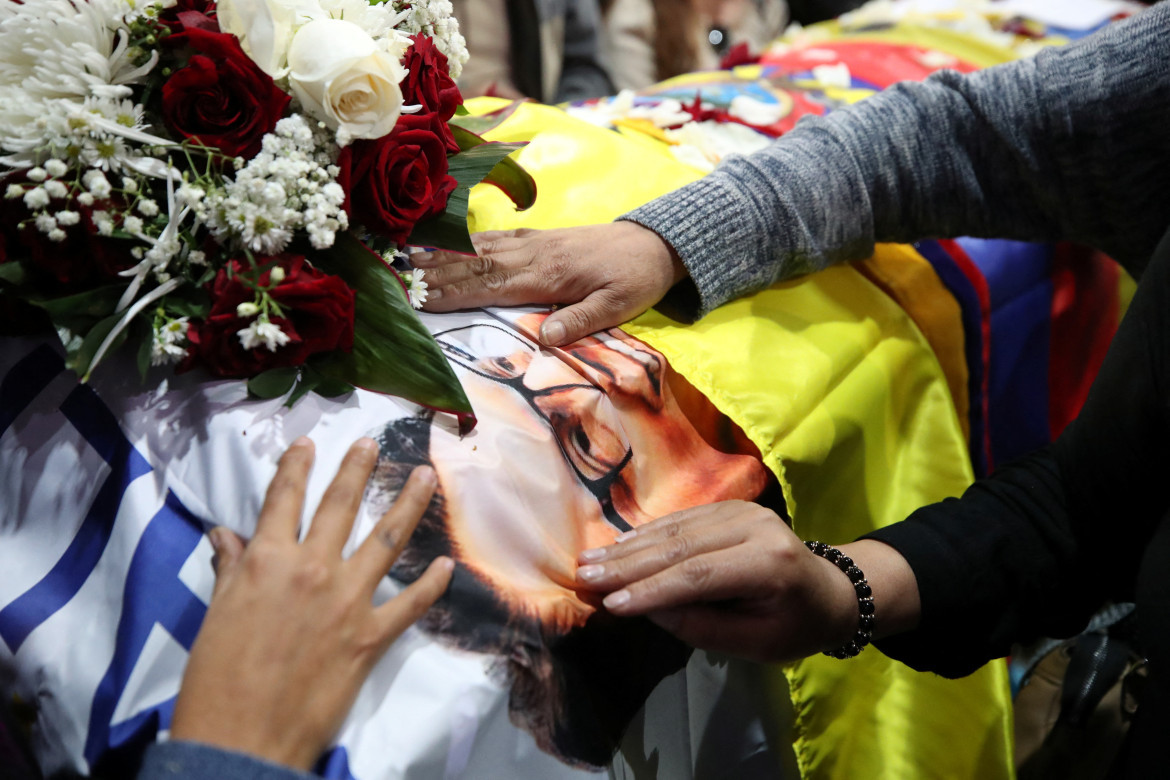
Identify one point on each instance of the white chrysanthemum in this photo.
(263, 332)
(54, 55)
(435, 18)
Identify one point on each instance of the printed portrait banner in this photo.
(107, 566)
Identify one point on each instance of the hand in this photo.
(291, 632)
(611, 273)
(734, 578)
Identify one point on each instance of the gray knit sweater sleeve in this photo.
(1071, 144)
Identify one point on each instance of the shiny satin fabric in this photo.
(850, 408)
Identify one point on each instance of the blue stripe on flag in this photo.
(100, 429)
(153, 594)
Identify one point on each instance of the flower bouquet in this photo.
(228, 185)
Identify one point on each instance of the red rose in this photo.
(396, 181)
(189, 14)
(221, 98)
(429, 84)
(318, 311)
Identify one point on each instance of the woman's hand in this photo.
(610, 273)
(734, 578)
(292, 632)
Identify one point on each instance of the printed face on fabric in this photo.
(573, 447)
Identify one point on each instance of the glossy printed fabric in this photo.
(107, 573)
(849, 407)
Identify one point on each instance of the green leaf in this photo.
(469, 167)
(328, 386)
(12, 273)
(484, 122)
(188, 302)
(273, 383)
(461, 110)
(80, 358)
(81, 311)
(507, 174)
(393, 352)
(449, 229)
(308, 382)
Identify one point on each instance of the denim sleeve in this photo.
(1070, 144)
(193, 761)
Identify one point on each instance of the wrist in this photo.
(663, 255)
(851, 615)
(894, 586)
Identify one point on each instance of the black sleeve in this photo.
(1037, 547)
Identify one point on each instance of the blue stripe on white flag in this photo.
(101, 431)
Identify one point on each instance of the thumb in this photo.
(598, 311)
(228, 548)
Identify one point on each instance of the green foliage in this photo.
(392, 351)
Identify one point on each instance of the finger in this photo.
(385, 543)
(489, 236)
(715, 576)
(228, 548)
(492, 282)
(280, 517)
(654, 533)
(396, 615)
(468, 267)
(671, 551)
(599, 310)
(438, 259)
(338, 507)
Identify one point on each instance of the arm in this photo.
(1031, 551)
(1070, 144)
(1036, 548)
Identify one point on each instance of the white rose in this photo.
(266, 27)
(341, 76)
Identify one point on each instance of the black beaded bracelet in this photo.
(861, 587)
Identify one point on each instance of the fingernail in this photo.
(215, 536)
(596, 554)
(447, 564)
(627, 536)
(590, 573)
(302, 441)
(421, 257)
(426, 475)
(435, 294)
(552, 333)
(616, 599)
(366, 444)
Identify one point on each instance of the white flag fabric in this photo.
(109, 489)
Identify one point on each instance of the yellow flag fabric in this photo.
(849, 405)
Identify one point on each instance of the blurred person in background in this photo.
(647, 41)
(547, 50)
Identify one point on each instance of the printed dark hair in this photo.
(575, 693)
